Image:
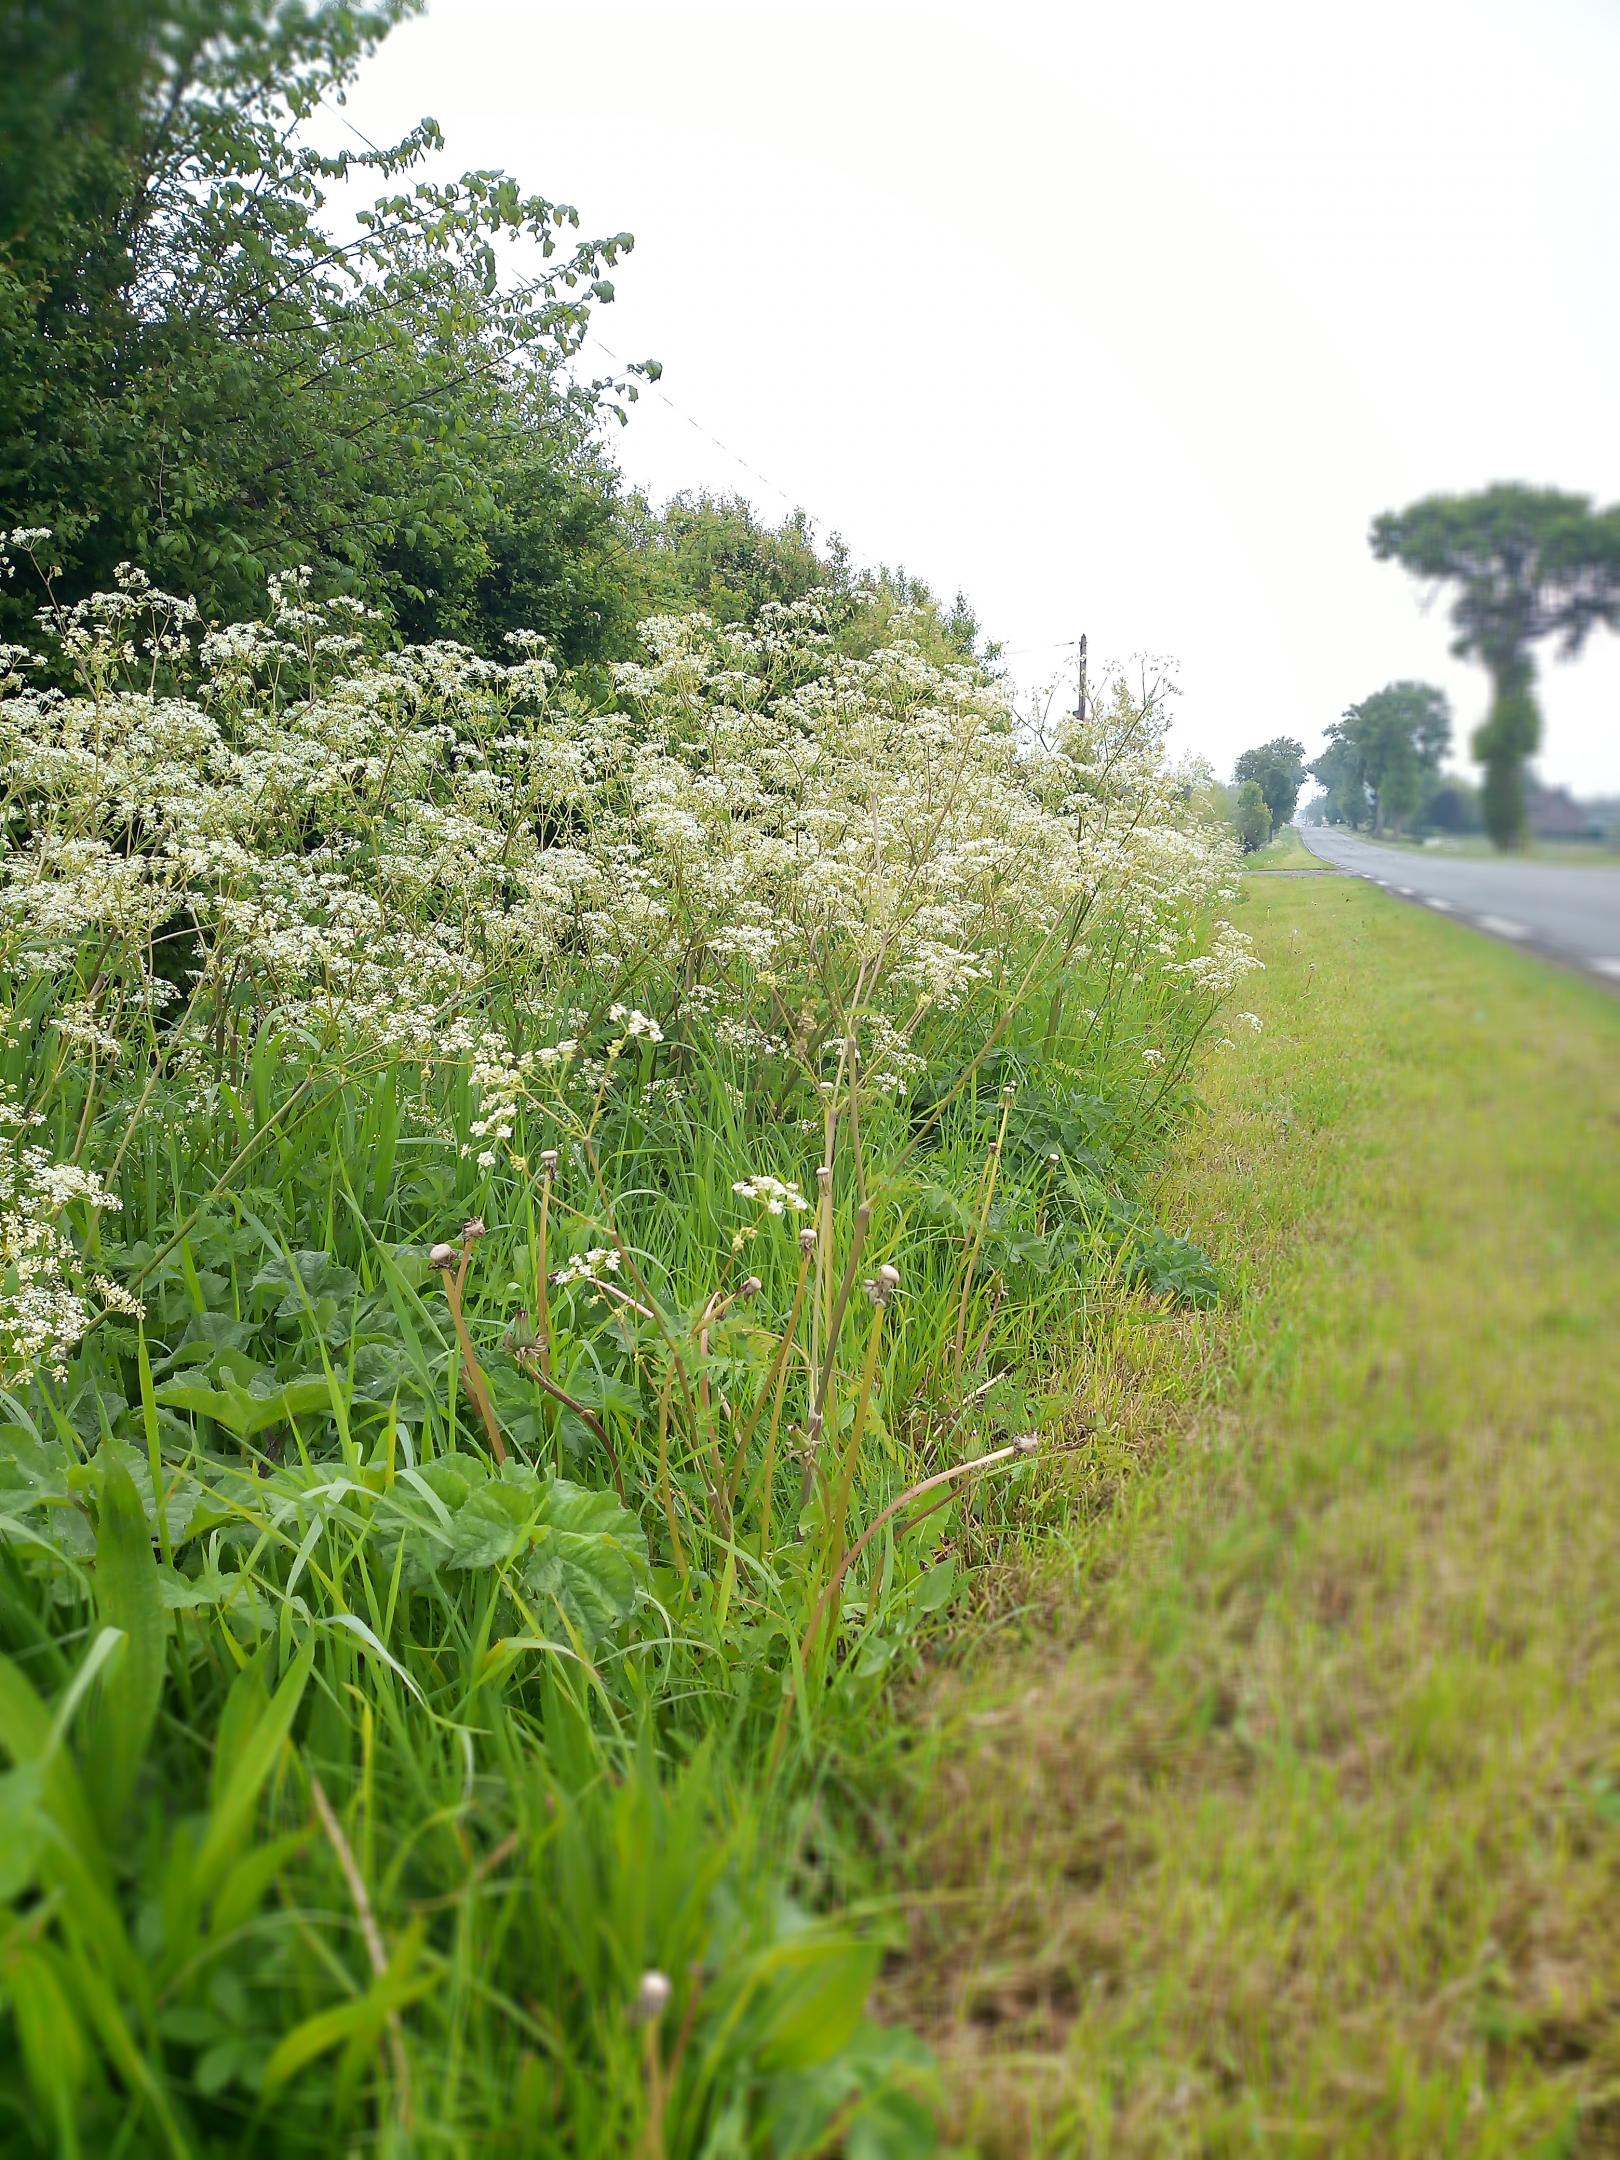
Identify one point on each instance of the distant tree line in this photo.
(1381, 766)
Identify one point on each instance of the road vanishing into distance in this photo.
(1566, 911)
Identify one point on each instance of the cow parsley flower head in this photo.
(586, 1266)
(775, 1195)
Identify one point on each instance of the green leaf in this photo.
(128, 1597)
(25, 1828)
(358, 2023)
(814, 2000)
(246, 1414)
(492, 1526)
(589, 1558)
(241, 1779)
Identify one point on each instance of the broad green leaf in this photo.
(492, 1526)
(813, 1999)
(245, 1413)
(589, 1558)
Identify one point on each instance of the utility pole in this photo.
(1080, 696)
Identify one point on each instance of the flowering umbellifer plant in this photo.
(816, 876)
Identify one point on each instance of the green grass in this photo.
(1284, 851)
(1286, 1816)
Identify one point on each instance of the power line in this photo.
(795, 501)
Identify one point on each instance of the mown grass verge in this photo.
(1293, 1821)
(1284, 851)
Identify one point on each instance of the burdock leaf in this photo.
(589, 1558)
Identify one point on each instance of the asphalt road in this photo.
(1566, 911)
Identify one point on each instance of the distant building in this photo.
(1555, 815)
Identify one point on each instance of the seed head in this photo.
(651, 1998)
(442, 1256)
(807, 1238)
(751, 1288)
(473, 1229)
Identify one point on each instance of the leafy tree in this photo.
(1279, 768)
(1523, 564)
(715, 552)
(198, 373)
(1251, 816)
(1382, 755)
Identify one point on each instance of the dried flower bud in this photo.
(442, 1256)
(751, 1288)
(548, 1161)
(882, 1286)
(651, 1998)
(1027, 1443)
(473, 1229)
(807, 1239)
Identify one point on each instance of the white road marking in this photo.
(1608, 967)
(1500, 925)
(1443, 905)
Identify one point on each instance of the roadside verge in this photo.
(1294, 1814)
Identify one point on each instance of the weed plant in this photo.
(530, 1237)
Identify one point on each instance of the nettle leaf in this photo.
(452, 1477)
(213, 1590)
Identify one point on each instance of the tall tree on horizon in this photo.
(1279, 768)
(1523, 564)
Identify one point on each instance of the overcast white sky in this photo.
(1124, 318)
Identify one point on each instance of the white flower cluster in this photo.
(775, 1195)
(42, 1310)
(586, 1266)
(769, 849)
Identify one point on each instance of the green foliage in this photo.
(459, 1427)
(715, 553)
(416, 1636)
(1523, 565)
(1251, 816)
(197, 372)
(1383, 754)
(1278, 767)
